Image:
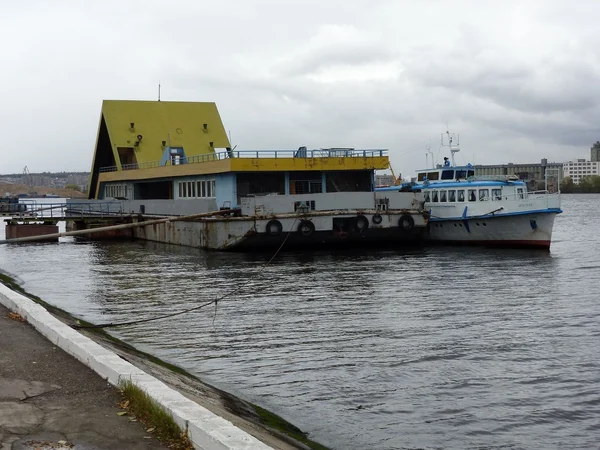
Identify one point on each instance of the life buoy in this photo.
(406, 222)
(377, 219)
(306, 228)
(362, 223)
(273, 228)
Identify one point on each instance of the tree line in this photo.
(588, 184)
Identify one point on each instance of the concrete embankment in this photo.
(206, 429)
(50, 400)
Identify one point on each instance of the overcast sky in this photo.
(519, 80)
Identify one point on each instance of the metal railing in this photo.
(257, 154)
(62, 211)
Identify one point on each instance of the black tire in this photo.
(377, 219)
(362, 223)
(406, 222)
(306, 228)
(273, 228)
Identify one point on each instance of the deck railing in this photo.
(256, 154)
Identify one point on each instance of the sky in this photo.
(517, 80)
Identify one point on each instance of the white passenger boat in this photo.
(484, 210)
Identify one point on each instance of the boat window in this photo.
(452, 195)
(520, 193)
(497, 194)
(434, 196)
(421, 176)
(461, 195)
(432, 176)
(448, 175)
(470, 173)
(460, 174)
(443, 196)
(472, 195)
(484, 195)
(427, 197)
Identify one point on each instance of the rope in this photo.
(194, 308)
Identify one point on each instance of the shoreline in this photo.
(249, 417)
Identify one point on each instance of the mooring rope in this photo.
(197, 307)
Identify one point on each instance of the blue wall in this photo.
(226, 189)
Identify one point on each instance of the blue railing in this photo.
(257, 154)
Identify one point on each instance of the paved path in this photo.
(49, 400)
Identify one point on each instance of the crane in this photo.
(28, 179)
(397, 181)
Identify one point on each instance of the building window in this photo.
(197, 189)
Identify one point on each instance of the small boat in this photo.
(468, 209)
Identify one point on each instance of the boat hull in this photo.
(515, 231)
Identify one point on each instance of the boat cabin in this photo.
(446, 173)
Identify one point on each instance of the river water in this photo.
(438, 348)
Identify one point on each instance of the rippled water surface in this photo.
(435, 348)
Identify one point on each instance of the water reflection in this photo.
(436, 348)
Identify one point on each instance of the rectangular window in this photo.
(461, 195)
(448, 175)
(203, 189)
(180, 189)
(193, 189)
(432, 176)
(213, 183)
(208, 189)
(443, 196)
(472, 195)
(434, 197)
(427, 197)
(497, 194)
(460, 174)
(452, 195)
(520, 193)
(484, 195)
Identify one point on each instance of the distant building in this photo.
(536, 175)
(595, 152)
(384, 180)
(576, 170)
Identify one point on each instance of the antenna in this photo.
(454, 147)
(427, 153)
(159, 90)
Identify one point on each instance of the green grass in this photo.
(154, 416)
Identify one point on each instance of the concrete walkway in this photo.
(48, 400)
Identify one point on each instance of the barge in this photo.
(174, 159)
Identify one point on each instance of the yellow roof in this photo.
(191, 125)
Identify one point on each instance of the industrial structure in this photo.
(536, 175)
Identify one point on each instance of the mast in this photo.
(452, 141)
